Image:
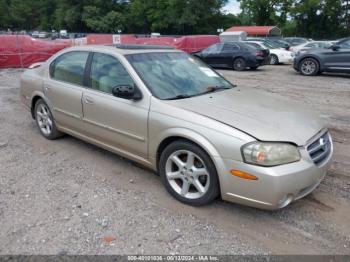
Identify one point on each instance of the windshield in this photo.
(175, 75)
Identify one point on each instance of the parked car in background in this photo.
(293, 41)
(277, 55)
(172, 113)
(333, 59)
(270, 41)
(236, 55)
(35, 34)
(310, 45)
(43, 35)
(280, 42)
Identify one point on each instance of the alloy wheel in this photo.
(44, 119)
(187, 174)
(308, 67)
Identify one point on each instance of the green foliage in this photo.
(311, 18)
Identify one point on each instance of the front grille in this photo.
(320, 149)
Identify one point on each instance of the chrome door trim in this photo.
(340, 68)
(142, 139)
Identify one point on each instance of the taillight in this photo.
(259, 53)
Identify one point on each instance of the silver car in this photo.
(169, 111)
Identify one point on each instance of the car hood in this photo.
(261, 116)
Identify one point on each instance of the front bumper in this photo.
(296, 64)
(276, 187)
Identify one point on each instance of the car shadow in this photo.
(342, 75)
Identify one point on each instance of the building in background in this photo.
(257, 30)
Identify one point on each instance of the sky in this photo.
(232, 7)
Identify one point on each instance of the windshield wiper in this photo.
(179, 97)
(210, 89)
(213, 89)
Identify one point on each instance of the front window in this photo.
(175, 75)
(107, 72)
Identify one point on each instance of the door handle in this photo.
(88, 100)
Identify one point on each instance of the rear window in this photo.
(69, 67)
(256, 46)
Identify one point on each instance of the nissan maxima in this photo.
(170, 112)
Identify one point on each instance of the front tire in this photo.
(45, 121)
(239, 64)
(309, 67)
(188, 173)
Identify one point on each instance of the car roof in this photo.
(124, 49)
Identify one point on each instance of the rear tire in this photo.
(309, 67)
(239, 64)
(188, 173)
(274, 60)
(45, 121)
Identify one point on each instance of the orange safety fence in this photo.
(20, 51)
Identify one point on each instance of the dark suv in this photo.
(333, 59)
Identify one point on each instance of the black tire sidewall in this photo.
(214, 188)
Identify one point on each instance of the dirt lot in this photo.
(67, 196)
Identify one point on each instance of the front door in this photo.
(117, 122)
(338, 59)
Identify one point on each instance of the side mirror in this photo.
(127, 92)
(335, 47)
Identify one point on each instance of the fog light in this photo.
(243, 175)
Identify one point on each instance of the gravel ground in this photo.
(70, 197)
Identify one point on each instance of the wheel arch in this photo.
(205, 145)
(35, 97)
(185, 135)
(239, 56)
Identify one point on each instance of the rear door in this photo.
(64, 89)
(229, 51)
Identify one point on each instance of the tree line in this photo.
(311, 18)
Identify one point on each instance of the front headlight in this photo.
(269, 153)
